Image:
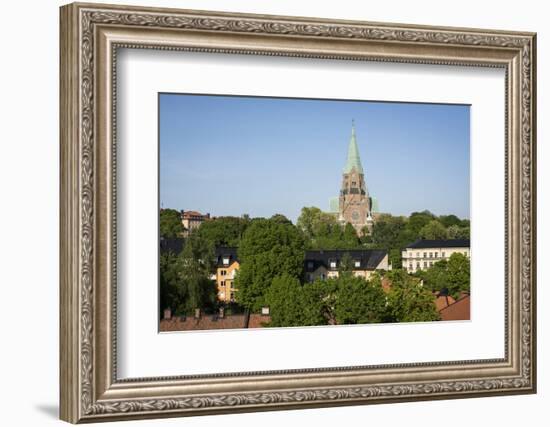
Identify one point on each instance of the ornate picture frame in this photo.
(90, 37)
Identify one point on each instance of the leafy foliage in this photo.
(359, 301)
(408, 300)
(269, 248)
(185, 282)
(323, 231)
(452, 274)
(433, 230)
(170, 223)
(291, 304)
(224, 231)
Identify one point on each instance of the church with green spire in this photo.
(354, 205)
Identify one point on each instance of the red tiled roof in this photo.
(209, 321)
(460, 310)
(443, 301)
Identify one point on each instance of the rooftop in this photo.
(369, 258)
(446, 243)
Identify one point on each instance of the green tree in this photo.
(196, 263)
(346, 264)
(458, 274)
(387, 231)
(350, 238)
(359, 301)
(170, 223)
(268, 248)
(452, 274)
(436, 277)
(433, 230)
(224, 231)
(281, 219)
(458, 232)
(417, 220)
(449, 220)
(408, 300)
(323, 231)
(171, 289)
(291, 305)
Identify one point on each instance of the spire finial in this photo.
(353, 160)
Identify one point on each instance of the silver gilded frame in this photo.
(90, 37)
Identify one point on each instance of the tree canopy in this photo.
(268, 248)
(408, 300)
(452, 274)
(170, 223)
(224, 231)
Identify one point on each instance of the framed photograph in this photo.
(267, 212)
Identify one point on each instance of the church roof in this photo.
(354, 161)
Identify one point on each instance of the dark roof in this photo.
(174, 245)
(447, 243)
(226, 251)
(369, 258)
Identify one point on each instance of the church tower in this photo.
(354, 202)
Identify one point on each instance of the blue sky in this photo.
(231, 155)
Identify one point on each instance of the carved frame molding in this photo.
(90, 37)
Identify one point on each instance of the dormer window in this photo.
(310, 265)
(332, 263)
(357, 263)
(225, 260)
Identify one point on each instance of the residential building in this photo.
(422, 254)
(227, 264)
(325, 264)
(192, 220)
(354, 205)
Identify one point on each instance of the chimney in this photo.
(167, 313)
(221, 313)
(197, 313)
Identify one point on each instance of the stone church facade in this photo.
(354, 203)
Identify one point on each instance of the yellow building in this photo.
(324, 264)
(227, 265)
(423, 254)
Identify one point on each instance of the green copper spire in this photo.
(354, 161)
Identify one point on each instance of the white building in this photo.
(422, 254)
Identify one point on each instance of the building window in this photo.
(353, 183)
(425, 264)
(418, 254)
(232, 285)
(310, 265)
(323, 276)
(222, 283)
(357, 263)
(333, 264)
(431, 254)
(225, 260)
(465, 253)
(435, 254)
(425, 254)
(232, 296)
(410, 266)
(443, 254)
(223, 272)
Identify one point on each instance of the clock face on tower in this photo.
(355, 216)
